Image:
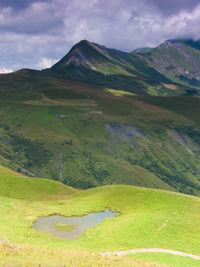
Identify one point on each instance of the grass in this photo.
(23, 246)
(30, 257)
(65, 227)
(177, 105)
(143, 212)
(167, 259)
(170, 86)
(147, 218)
(15, 185)
(136, 175)
(119, 92)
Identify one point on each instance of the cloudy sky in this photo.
(36, 33)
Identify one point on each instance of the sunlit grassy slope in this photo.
(14, 185)
(147, 218)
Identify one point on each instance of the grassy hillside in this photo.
(147, 218)
(15, 185)
(87, 136)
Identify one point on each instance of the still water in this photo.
(48, 224)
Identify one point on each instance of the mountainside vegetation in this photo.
(60, 124)
(178, 60)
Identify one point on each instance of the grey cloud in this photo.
(19, 4)
(39, 17)
(41, 30)
(169, 7)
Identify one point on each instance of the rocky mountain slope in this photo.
(177, 60)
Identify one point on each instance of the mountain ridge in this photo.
(179, 60)
(151, 70)
(144, 71)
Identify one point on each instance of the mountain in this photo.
(179, 60)
(145, 71)
(66, 123)
(95, 64)
(85, 54)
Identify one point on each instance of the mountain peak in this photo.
(84, 53)
(180, 44)
(82, 43)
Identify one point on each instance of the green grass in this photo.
(148, 218)
(143, 213)
(167, 259)
(177, 105)
(33, 248)
(119, 92)
(65, 227)
(135, 175)
(14, 185)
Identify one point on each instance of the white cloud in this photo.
(5, 70)
(45, 63)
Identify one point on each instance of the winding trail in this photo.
(151, 250)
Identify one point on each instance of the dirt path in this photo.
(151, 250)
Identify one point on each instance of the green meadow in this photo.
(147, 218)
